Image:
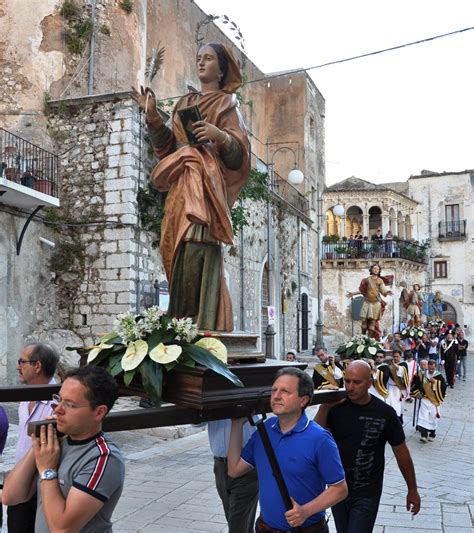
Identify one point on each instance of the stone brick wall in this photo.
(102, 167)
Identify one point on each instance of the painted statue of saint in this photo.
(203, 180)
(414, 305)
(372, 289)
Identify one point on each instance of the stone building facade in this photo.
(429, 216)
(445, 214)
(104, 261)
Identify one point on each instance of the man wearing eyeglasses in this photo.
(36, 366)
(79, 479)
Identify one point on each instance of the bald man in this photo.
(361, 425)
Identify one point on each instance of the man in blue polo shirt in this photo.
(307, 454)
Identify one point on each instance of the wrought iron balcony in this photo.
(29, 175)
(337, 250)
(283, 189)
(452, 231)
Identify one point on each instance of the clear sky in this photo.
(388, 116)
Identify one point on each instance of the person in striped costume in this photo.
(380, 376)
(430, 387)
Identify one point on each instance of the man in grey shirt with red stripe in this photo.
(80, 479)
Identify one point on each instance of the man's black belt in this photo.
(262, 527)
(220, 459)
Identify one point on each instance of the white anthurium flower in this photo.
(215, 346)
(420, 334)
(136, 352)
(165, 354)
(372, 350)
(404, 332)
(412, 333)
(349, 344)
(360, 348)
(96, 351)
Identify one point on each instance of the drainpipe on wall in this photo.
(242, 289)
(298, 303)
(90, 85)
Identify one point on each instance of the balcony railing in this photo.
(455, 229)
(26, 164)
(374, 249)
(290, 194)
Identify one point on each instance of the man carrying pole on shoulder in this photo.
(307, 456)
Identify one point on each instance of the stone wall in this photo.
(27, 297)
(103, 167)
(434, 192)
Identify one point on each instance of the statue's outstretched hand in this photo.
(146, 100)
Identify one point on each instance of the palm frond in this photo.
(154, 63)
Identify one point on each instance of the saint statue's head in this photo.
(226, 69)
(375, 269)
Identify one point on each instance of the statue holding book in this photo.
(204, 163)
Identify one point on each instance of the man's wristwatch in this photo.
(49, 474)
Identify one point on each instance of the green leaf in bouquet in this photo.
(128, 376)
(341, 349)
(103, 356)
(118, 345)
(152, 379)
(170, 366)
(205, 358)
(351, 350)
(115, 369)
(154, 339)
(111, 338)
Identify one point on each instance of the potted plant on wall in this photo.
(341, 251)
(329, 241)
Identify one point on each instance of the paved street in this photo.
(169, 484)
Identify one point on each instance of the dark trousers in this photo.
(239, 497)
(356, 515)
(449, 368)
(21, 517)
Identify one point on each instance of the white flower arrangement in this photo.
(358, 347)
(152, 343)
(412, 333)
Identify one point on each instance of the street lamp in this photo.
(295, 177)
(338, 210)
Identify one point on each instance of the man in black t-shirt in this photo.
(361, 426)
(462, 354)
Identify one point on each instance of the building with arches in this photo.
(367, 208)
(429, 217)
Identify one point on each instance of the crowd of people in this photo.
(75, 482)
(444, 343)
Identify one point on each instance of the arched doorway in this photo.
(304, 322)
(333, 223)
(354, 221)
(375, 220)
(407, 227)
(449, 313)
(400, 226)
(393, 221)
(265, 302)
